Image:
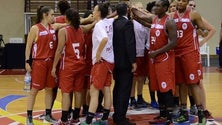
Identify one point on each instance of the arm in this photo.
(198, 21)
(130, 44)
(100, 48)
(57, 26)
(87, 28)
(142, 15)
(31, 38)
(87, 20)
(172, 36)
(221, 33)
(61, 44)
(211, 32)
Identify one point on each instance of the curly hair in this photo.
(63, 5)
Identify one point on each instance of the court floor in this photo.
(13, 99)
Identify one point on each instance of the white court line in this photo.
(14, 123)
(2, 71)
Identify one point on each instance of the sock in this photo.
(176, 101)
(192, 103)
(64, 117)
(89, 117)
(139, 98)
(183, 106)
(29, 113)
(105, 114)
(48, 111)
(70, 110)
(152, 96)
(76, 113)
(132, 98)
(85, 107)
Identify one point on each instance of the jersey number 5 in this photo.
(76, 50)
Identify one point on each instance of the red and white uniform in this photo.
(71, 73)
(101, 71)
(60, 19)
(141, 36)
(42, 54)
(162, 67)
(187, 50)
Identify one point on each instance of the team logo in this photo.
(184, 26)
(163, 85)
(191, 76)
(157, 33)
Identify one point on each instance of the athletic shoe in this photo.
(41, 117)
(193, 110)
(201, 118)
(74, 122)
(142, 103)
(29, 121)
(208, 115)
(49, 119)
(61, 123)
(182, 118)
(154, 104)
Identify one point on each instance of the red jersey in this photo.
(88, 45)
(73, 52)
(60, 19)
(158, 35)
(186, 33)
(43, 47)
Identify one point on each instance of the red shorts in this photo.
(187, 68)
(162, 73)
(41, 74)
(200, 70)
(72, 77)
(147, 61)
(101, 74)
(140, 70)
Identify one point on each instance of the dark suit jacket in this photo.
(124, 44)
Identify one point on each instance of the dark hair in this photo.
(121, 9)
(165, 3)
(150, 6)
(72, 15)
(104, 9)
(63, 5)
(113, 8)
(87, 13)
(40, 11)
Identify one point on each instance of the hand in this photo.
(53, 72)
(152, 54)
(134, 66)
(28, 67)
(90, 18)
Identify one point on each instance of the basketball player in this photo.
(141, 35)
(102, 58)
(162, 41)
(211, 32)
(71, 74)
(43, 39)
(187, 49)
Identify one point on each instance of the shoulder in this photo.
(34, 28)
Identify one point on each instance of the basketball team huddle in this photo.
(125, 43)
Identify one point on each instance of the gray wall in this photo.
(12, 18)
